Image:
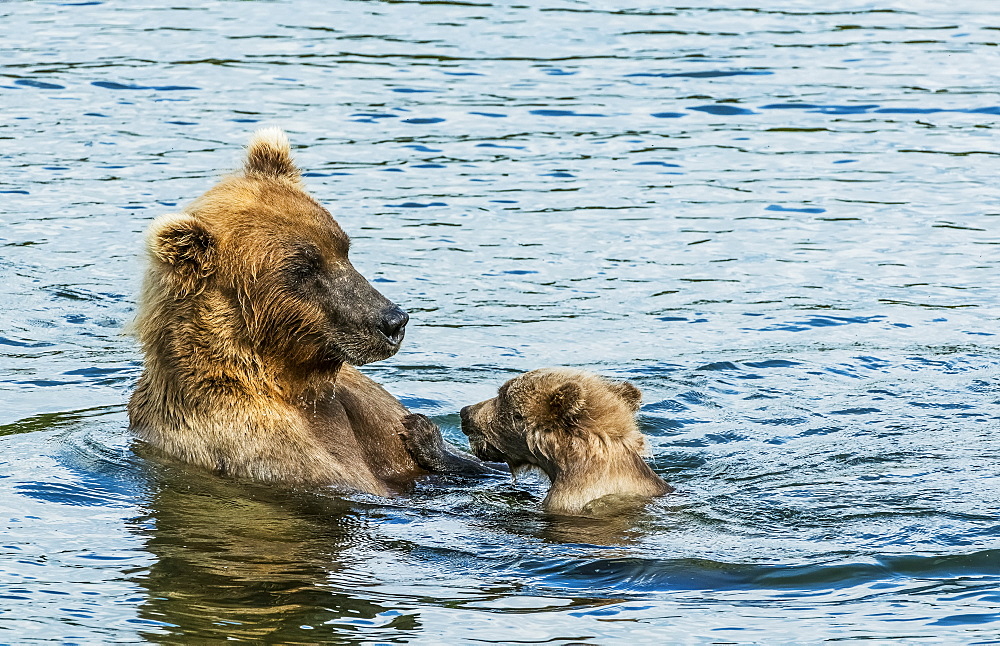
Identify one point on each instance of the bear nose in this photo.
(393, 324)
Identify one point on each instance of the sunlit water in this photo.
(777, 218)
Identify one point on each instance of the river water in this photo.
(779, 219)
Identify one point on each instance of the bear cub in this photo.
(579, 429)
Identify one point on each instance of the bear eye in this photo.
(304, 265)
(515, 414)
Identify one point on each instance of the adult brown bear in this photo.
(251, 318)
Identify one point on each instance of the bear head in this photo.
(256, 270)
(553, 419)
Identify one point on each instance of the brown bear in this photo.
(579, 429)
(251, 319)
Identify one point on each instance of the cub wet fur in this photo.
(577, 428)
(251, 319)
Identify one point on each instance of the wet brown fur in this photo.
(576, 427)
(247, 363)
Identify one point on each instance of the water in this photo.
(777, 219)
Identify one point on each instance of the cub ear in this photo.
(270, 155)
(627, 391)
(185, 248)
(566, 405)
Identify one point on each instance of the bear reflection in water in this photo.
(236, 561)
(577, 428)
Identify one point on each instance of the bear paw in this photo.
(423, 440)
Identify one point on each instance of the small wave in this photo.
(41, 85)
(821, 322)
(111, 85)
(721, 110)
(704, 74)
(565, 113)
(605, 575)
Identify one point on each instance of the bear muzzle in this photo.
(480, 446)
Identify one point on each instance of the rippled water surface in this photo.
(779, 219)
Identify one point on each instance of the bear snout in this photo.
(468, 423)
(393, 324)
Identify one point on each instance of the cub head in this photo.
(263, 267)
(547, 418)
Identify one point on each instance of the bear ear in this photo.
(627, 391)
(270, 155)
(187, 250)
(566, 405)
